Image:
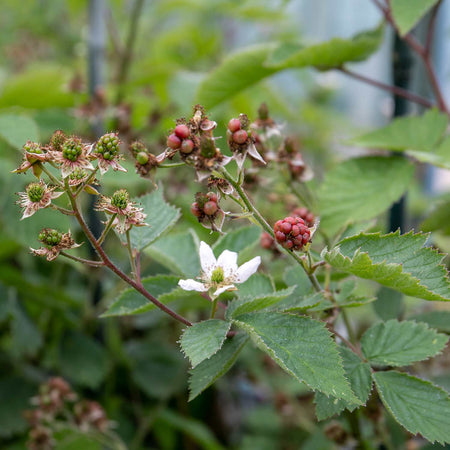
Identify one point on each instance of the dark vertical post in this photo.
(401, 65)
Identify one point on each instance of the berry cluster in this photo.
(304, 214)
(239, 136)
(292, 233)
(35, 192)
(108, 146)
(72, 149)
(50, 237)
(205, 205)
(179, 139)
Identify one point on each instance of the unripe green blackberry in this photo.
(108, 146)
(182, 131)
(32, 147)
(35, 192)
(142, 158)
(292, 233)
(137, 147)
(120, 199)
(50, 237)
(57, 140)
(72, 148)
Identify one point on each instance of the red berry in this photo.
(288, 244)
(295, 230)
(195, 210)
(277, 225)
(280, 236)
(286, 227)
(306, 215)
(210, 208)
(173, 142)
(292, 233)
(240, 137)
(234, 125)
(212, 196)
(187, 146)
(182, 131)
(266, 241)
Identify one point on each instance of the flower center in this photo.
(120, 199)
(35, 192)
(50, 237)
(78, 174)
(217, 275)
(72, 149)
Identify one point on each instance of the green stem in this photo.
(348, 326)
(67, 212)
(106, 229)
(132, 258)
(214, 308)
(83, 185)
(169, 166)
(82, 260)
(51, 176)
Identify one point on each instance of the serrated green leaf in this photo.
(326, 55)
(238, 240)
(435, 319)
(160, 217)
(202, 340)
(178, 252)
(296, 276)
(416, 404)
(251, 304)
(83, 360)
(303, 347)
(400, 262)
(389, 304)
(258, 285)
(408, 12)
(354, 191)
(249, 66)
(439, 217)
(359, 375)
(16, 130)
(209, 370)
(394, 343)
(131, 301)
(301, 304)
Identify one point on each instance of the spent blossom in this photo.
(126, 212)
(33, 155)
(221, 274)
(54, 242)
(106, 150)
(36, 196)
(74, 155)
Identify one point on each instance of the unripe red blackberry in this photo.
(234, 125)
(212, 196)
(292, 233)
(304, 214)
(173, 141)
(187, 146)
(240, 137)
(210, 208)
(195, 210)
(182, 131)
(266, 241)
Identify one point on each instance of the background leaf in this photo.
(408, 12)
(237, 240)
(416, 404)
(301, 346)
(397, 261)
(17, 129)
(394, 343)
(352, 191)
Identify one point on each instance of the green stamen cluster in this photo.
(78, 174)
(50, 237)
(57, 140)
(107, 146)
(35, 192)
(120, 199)
(32, 147)
(72, 149)
(217, 275)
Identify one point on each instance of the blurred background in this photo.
(133, 66)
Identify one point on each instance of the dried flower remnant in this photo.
(54, 242)
(33, 155)
(36, 196)
(221, 274)
(127, 214)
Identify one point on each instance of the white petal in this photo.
(247, 269)
(253, 152)
(228, 261)
(192, 285)
(207, 258)
(223, 289)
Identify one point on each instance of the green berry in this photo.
(35, 192)
(142, 158)
(72, 149)
(120, 199)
